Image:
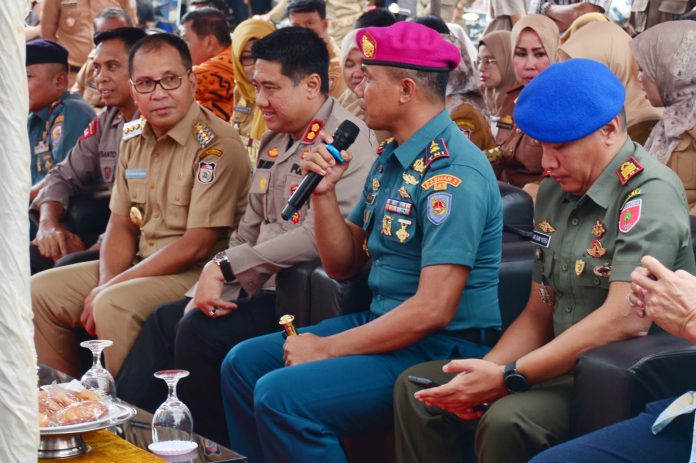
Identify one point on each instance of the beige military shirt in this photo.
(341, 13)
(194, 176)
(264, 243)
(75, 23)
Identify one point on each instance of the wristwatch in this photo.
(225, 267)
(514, 380)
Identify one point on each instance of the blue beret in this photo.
(45, 51)
(569, 101)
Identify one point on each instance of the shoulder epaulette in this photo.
(133, 128)
(203, 133)
(436, 150)
(383, 144)
(628, 169)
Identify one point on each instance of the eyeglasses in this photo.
(166, 82)
(247, 60)
(485, 62)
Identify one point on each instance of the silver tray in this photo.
(67, 441)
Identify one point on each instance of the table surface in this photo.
(138, 431)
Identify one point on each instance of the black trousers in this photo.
(195, 343)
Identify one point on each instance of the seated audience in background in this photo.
(351, 64)
(235, 296)
(378, 17)
(504, 14)
(667, 298)
(220, 5)
(646, 14)
(564, 12)
(311, 14)
(595, 217)
(343, 14)
(180, 189)
(71, 24)
(91, 164)
(496, 72)
(246, 116)
(430, 218)
(464, 101)
(207, 34)
(608, 44)
(517, 158)
(109, 18)
(57, 117)
(667, 70)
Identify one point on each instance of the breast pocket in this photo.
(179, 195)
(396, 229)
(137, 188)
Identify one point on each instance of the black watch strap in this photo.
(514, 380)
(225, 267)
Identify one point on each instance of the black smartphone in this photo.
(425, 383)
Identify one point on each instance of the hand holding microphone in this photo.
(343, 137)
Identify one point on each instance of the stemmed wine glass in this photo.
(172, 424)
(98, 378)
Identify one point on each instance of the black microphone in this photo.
(344, 136)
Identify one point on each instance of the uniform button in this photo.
(133, 195)
(569, 308)
(595, 280)
(564, 266)
(575, 221)
(152, 186)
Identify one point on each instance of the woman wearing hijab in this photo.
(517, 158)
(246, 116)
(495, 68)
(464, 101)
(351, 63)
(608, 44)
(668, 75)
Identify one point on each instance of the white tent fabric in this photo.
(19, 438)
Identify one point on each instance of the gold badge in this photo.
(494, 154)
(387, 225)
(369, 45)
(419, 166)
(136, 216)
(603, 271)
(598, 230)
(402, 233)
(579, 266)
(403, 193)
(546, 227)
(441, 181)
(410, 179)
(596, 250)
(375, 184)
(262, 184)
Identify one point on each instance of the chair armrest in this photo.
(516, 265)
(293, 292)
(331, 298)
(614, 382)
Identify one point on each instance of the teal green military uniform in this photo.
(54, 131)
(634, 208)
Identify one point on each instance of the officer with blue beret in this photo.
(604, 205)
(430, 221)
(57, 117)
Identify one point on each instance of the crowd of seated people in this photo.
(201, 137)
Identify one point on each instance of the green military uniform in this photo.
(54, 130)
(634, 208)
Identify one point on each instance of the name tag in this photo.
(136, 174)
(542, 239)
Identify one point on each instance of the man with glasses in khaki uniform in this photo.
(180, 189)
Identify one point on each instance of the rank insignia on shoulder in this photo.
(314, 127)
(598, 230)
(410, 179)
(546, 227)
(383, 144)
(91, 129)
(630, 215)
(273, 152)
(596, 249)
(436, 150)
(628, 169)
(441, 181)
(579, 266)
(133, 128)
(203, 133)
(439, 207)
(603, 271)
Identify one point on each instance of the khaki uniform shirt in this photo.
(473, 125)
(636, 207)
(517, 159)
(648, 13)
(341, 13)
(90, 164)
(194, 176)
(264, 243)
(683, 162)
(75, 20)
